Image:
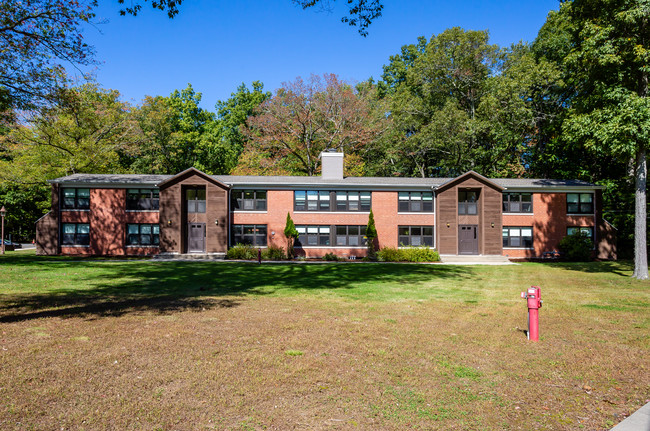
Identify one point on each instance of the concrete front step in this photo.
(189, 256)
(475, 259)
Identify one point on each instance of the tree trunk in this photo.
(640, 238)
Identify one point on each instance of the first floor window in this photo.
(142, 234)
(415, 236)
(142, 199)
(351, 236)
(249, 234)
(580, 203)
(518, 236)
(415, 202)
(587, 231)
(75, 234)
(313, 236)
(76, 199)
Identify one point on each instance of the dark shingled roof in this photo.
(295, 181)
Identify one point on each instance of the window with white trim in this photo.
(75, 234)
(415, 201)
(142, 234)
(517, 202)
(580, 203)
(249, 200)
(518, 236)
(195, 200)
(322, 200)
(75, 199)
(352, 236)
(252, 234)
(467, 202)
(415, 236)
(312, 236)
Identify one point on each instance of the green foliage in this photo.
(371, 235)
(37, 37)
(24, 204)
(577, 247)
(273, 253)
(87, 129)
(331, 257)
(408, 254)
(291, 233)
(242, 252)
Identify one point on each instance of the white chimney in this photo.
(332, 165)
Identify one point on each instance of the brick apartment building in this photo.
(193, 212)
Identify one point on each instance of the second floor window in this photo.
(142, 199)
(76, 199)
(321, 200)
(580, 203)
(415, 202)
(467, 203)
(249, 200)
(195, 200)
(517, 202)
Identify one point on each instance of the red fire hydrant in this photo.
(534, 298)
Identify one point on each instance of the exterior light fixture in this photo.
(216, 222)
(169, 222)
(493, 225)
(447, 224)
(272, 233)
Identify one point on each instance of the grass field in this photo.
(141, 345)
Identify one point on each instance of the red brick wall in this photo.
(549, 221)
(108, 217)
(384, 206)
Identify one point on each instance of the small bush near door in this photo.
(408, 254)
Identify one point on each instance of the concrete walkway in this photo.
(638, 421)
(452, 259)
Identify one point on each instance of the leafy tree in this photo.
(371, 235)
(37, 37)
(303, 119)
(291, 233)
(604, 52)
(88, 129)
(361, 12)
(24, 205)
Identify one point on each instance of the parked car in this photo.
(12, 245)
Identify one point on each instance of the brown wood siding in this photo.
(47, 228)
(173, 236)
(489, 211)
(447, 209)
(492, 213)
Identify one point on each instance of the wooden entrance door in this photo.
(196, 237)
(468, 239)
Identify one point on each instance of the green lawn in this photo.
(97, 344)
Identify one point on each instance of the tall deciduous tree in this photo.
(36, 38)
(88, 130)
(303, 119)
(606, 57)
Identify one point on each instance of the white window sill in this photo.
(517, 214)
(519, 248)
(331, 212)
(75, 245)
(333, 246)
(248, 212)
(142, 211)
(417, 212)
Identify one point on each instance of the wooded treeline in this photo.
(571, 104)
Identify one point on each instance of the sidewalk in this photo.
(638, 421)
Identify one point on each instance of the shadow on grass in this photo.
(93, 288)
(621, 267)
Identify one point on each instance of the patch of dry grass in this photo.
(313, 347)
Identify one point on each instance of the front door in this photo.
(196, 237)
(468, 239)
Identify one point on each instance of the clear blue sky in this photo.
(216, 45)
